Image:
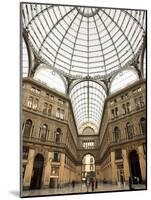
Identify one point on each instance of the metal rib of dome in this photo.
(81, 41)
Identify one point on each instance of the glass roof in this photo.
(86, 43)
(25, 60)
(81, 41)
(123, 79)
(88, 98)
(48, 77)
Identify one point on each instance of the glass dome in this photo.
(82, 41)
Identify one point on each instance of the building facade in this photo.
(83, 98)
(53, 151)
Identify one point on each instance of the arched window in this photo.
(116, 134)
(44, 131)
(30, 102)
(45, 108)
(35, 105)
(50, 109)
(123, 109)
(50, 78)
(28, 126)
(58, 113)
(143, 125)
(130, 130)
(58, 135)
(128, 107)
(116, 112)
(123, 79)
(62, 114)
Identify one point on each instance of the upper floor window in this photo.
(60, 101)
(112, 114)
(51, 97)
(118, 154)
(116, 112)
(141, 99)
(88, 144)
(143, 125)
(116, 134)
(35, 90)
(49, 109)
(27, 129)
(58, 135)
(62, 114)
(56, 156)
(45, 108)
(58, 113)
(130, 130)
(30, 102)
(123, 109)
(44, 131)
(139, 102)
(128, 107)
(35, 105)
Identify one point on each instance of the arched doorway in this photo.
(37, 172)
(135, 167)
(88, 167)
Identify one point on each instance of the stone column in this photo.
(142, 162)
(125, 165)
(47, 171)
(61, 170)
(113, 168)
(29, 169)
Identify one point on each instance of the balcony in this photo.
(120, 116)
(127, 140)
(46, 142)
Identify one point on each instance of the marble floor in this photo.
(80, 188)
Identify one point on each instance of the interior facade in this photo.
(83, 96)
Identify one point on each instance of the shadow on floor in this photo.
(15, 193)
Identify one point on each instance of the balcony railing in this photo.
(128, 113)
(126, 139)
(42, 141)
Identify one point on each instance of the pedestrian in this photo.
(73, 184)
(96, 184)
(92, 184)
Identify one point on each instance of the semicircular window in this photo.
(50, 78)
(123, 79)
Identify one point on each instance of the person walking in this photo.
(96, 184)
(73, 184)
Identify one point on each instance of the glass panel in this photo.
(88, 98)
(74, 39)
(123, 79)
(50, 78)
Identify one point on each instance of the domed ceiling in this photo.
(82, 41)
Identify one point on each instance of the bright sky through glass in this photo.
(84, 41)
